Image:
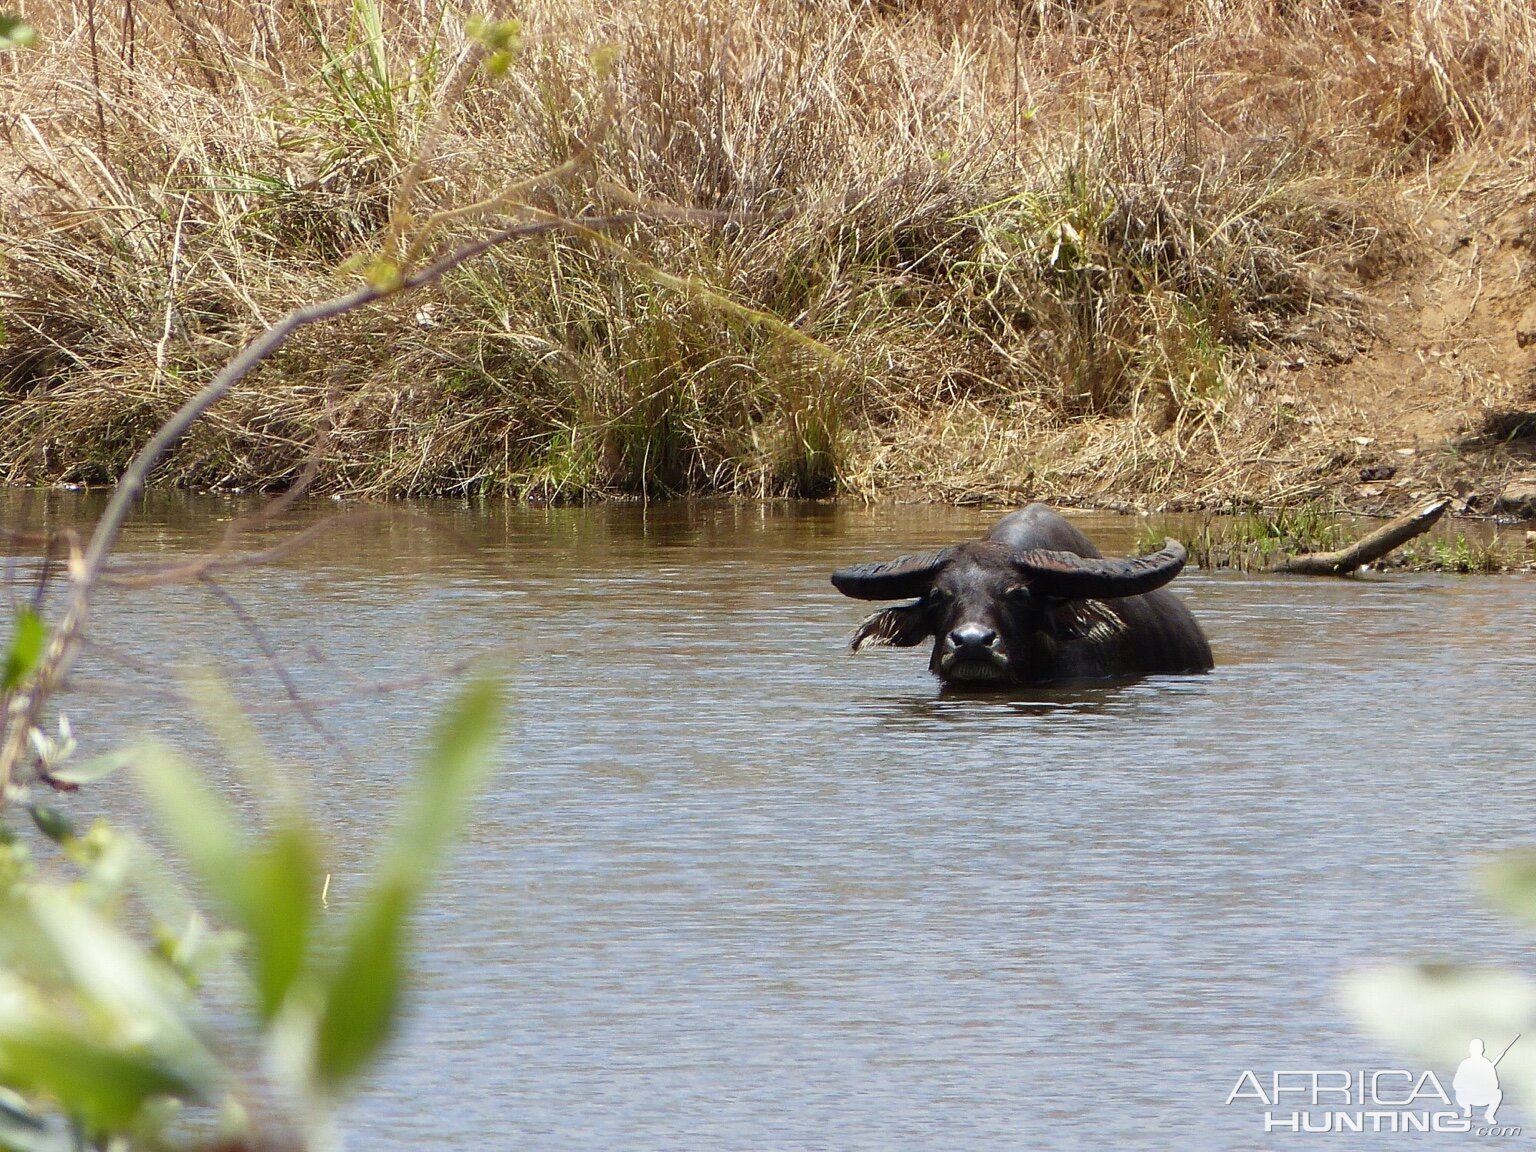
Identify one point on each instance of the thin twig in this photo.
(155, 689)
(279, 669)
(221, 560)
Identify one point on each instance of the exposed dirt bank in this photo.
(1434, 390)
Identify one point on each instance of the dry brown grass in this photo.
(1045, 247)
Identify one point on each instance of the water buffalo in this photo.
(1033, 602)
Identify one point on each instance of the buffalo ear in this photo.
(901, 626)
(1095, 621)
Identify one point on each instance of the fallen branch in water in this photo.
(1368, 549)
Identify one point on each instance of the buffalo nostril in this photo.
(972, 636)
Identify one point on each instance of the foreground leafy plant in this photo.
(102, 1040)
(15, 32)
(1433, 1009)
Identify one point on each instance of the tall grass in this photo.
(1031, 242)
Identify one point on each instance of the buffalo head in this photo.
(1003, 609)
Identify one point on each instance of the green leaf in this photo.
(603, 59)
(105, 1087)
(126, 989)
(457, 765)
(52, 823)
(267, 890)
(203, 826)
(384, 275)
(197, 948)
(92, 770)
(496, 35)
(1510, 881)
(282, 894)
(362, 996)
(15, 32)
(269, 783)
(29, 636)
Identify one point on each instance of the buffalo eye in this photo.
(1019, 593)
(938, 597)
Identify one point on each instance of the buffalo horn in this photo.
(1069, 576)
(894, 580)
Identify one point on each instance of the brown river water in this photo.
(732, 887)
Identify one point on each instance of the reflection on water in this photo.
(734, 887)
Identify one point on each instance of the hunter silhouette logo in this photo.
(1380, 1099)
(1477, 1081)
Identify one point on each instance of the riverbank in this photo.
(1118, 255)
